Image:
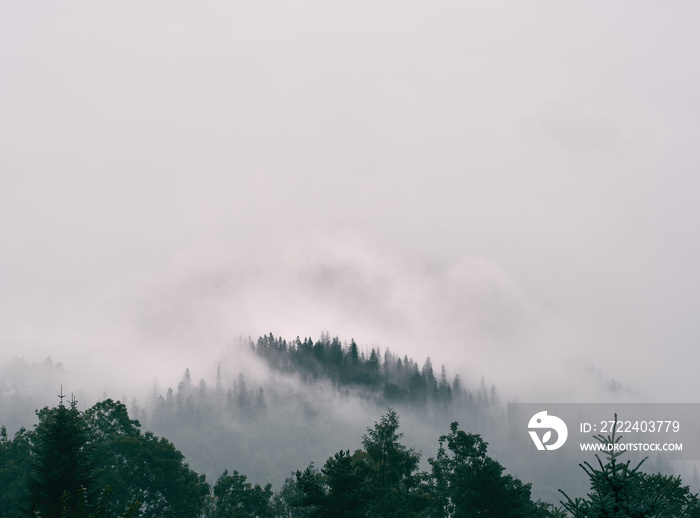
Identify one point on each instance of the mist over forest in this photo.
(297, 401)
(325, 245)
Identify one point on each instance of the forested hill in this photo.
(313, 397)
(273, 406)
(393, 378)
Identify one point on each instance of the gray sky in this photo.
(491, 183)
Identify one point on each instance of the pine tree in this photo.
(353, 353)
(695, 478)
(348, 486)
(429, 376)
(392, 468)
(444, 390)
(373, 367)
(61, 469)
(621, 491)
(379, 482)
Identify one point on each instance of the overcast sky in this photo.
(490, 183)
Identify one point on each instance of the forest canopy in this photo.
(99, 462)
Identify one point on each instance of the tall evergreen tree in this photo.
(353, 353)
(61, 467)
(621, 490)
(392, 470)
(341, 489)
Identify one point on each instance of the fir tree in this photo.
(620, 490)
(61, 470)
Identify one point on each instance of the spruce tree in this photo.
(621, 490)
(61, 470)
(391, 470)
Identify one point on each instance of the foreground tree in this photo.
(392, 471)
(620, 490)
(141, 467)
(236, 498)
(378, 481)
(15, 457)
(95, 463)
(341, 489)
(61, 474)
(467, 483)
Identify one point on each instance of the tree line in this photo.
(384, 378)
(268, 425)
(397, 379)
(98, 463)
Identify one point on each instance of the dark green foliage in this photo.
(61, 462)
(14, 467)
(353, 355)
(468, 483)
(379, 481)
(141, 467)
(279, 429)
(392, 471)
(678, 500)
(341, 489)
(619, 490)
(348, 489)
(142, 475)
(394, 379)
(97, 464)
(236, 498)
(309, 491)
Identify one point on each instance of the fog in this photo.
(508, 189)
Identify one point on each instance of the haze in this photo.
(505, 187)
